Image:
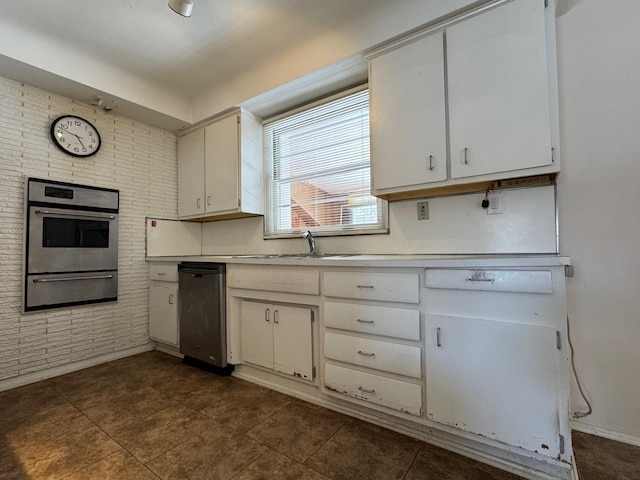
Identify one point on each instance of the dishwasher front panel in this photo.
(202, 310)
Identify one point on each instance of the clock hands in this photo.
(77, 136)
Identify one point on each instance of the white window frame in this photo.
(271, 218)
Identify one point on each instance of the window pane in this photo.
(319, 170)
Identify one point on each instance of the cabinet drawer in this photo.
(164, 272)
(524, 281)
(385, 356)
(387, 321)
(395, 394)
(274, 279)
(390, 287)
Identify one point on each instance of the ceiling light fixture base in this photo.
(181, 7)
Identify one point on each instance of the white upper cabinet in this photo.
(469, 102)
(408, 127)
(498, 84)
(190, 174)
(220, 169)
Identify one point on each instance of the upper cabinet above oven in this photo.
(467, 102)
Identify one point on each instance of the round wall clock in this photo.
(75, 136)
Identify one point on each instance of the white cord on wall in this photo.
(575, 374)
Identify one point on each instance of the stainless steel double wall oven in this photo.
(71, 250)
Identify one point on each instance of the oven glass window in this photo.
(74, 233)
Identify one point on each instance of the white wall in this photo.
(456, 224)
(137, 159)
(599, 201)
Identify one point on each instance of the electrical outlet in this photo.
(423, 210)
(495, 203)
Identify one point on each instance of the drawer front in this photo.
(385, 356)
(387, 321)
(395, 394)
(163, 272)
(274, 279)
(524, 281)
(389, 287)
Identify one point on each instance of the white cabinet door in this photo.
(256, 333)
(498, 88)
(190, 174)
(221, 165)
(497, 379)
(163, 312)
(292, 341)
(408, 129)
(277, 337)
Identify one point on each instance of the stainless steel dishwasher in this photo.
(202, 313)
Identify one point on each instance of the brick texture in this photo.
(139, 160)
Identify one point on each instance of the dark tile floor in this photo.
(149, 417)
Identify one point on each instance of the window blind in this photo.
(318, 171)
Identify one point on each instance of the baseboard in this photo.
(605, 433)
(72, 367)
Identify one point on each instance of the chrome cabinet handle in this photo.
(198, 203)
(363, 321)
(209, 200)
(161, 274)
(267, 313)
(479, 279)
(366, 390)
(431, 162)
(75, 214)
(438, 335)
(364, 286)
(275, 316)
(68, 279)
(466, 158)
(171, 299)
(365, 354)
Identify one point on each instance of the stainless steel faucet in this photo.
(312, 242)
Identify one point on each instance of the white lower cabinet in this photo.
(371, 348)
(384, 391)
(163, 303)
(496, 355)
(277, 337)
(496, 379)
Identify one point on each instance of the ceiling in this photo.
(115, 49)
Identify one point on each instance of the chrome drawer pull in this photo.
(171, 299)
(365, 390)
(267, 312)
(359, 320)
(364, 286)
(360, 352)
(479, 279)
(438, 333)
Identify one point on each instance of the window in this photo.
(318, 171)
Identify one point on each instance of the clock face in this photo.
(75, 136)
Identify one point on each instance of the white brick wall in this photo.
(142, 165)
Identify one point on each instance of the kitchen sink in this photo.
(295, 255)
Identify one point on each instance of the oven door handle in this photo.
(76, 214)
(68, 279)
